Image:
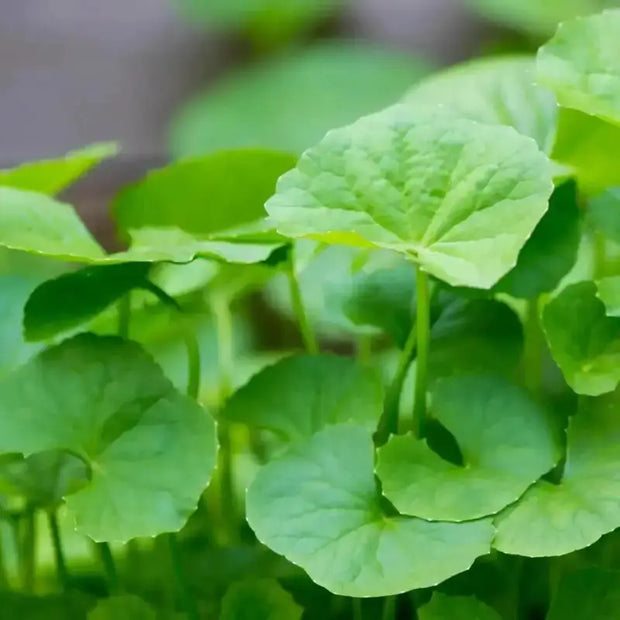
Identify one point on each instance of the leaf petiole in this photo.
(59, 554)
(423, 326)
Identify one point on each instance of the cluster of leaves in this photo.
(466, 239)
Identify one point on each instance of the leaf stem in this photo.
(27, 550)
(109, 567)
(423, 323)
(189, 603)
(358, 613)
(124, 316)
(307, 334)
(4, 576)
(389, 608)
(59, 554)
(533, 349)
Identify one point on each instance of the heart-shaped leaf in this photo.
(581, 65)
(122, 607)
(495, 91)
(150, 449)
(458, 197)
(51, 176)
(442, 607)
(555, 519)
(260, 599)
(584, 341)
(319, 507)
(506, 442)
(300, 395)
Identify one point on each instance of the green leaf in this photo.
(584, 341)
(260, 599)
(604, 213)
(442, 607)
(608, 291)
(302, 394)
(290, 102)
(551, 251)
(555, 519)
(581, 65)
(592, 593)
(51, 176)
(506, 442)
(72, 299)
(495, 91)
(458, 197)
(123, 607)
(21, 606)
(106, 401)
(318, 506)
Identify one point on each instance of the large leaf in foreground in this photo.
(318, 506)
(584, 341)
(581, 65)
(506, 442)
(51, 176)
(260, 599)
(555, 519)
(442, 607)
(106, 401)
(300, 395)
(496, 91)
(458, 197)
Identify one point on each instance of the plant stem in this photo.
(59, 555)
(389, 608)
(423, 323)
(389, 420)
(358, 613)
(193, 364)
(124, 316)
(109, 567)
(28, 548)
(533, 349)
(364, 349)
(189, 603)
(307, 334)
(4, 576)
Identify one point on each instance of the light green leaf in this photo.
(608, 291)
(105, 400)
(300, 395)
(122, 607)
(260, 599)
(51, 176)
(494, 91)
(551, 251)
(584, 341)
(592, 593)
(74, 298)
(292, 101)
(442, 607)
(581, 65)
(604, 213)
(458, 197)
(318, 506)
(506, 443)
(555, 519)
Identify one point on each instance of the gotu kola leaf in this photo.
(318, 506)
(442, 607)
(555, 519)
(457, 196)
(260, 599)
(506, 442)
(150, 449)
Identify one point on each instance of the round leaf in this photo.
(318, 506)
(581, 65)
(123, 607)
(261, 599)
(150, 449)
(300, 395)
(555, 519)
(442, 607)
(458, 197)
(506, 442)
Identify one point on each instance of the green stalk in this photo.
(59, 554)
(27, 549)
(423, 322)
(4, 576)
(358, 613)
(124, 316)
(389, 608)
(533, 349)
(307, 334)
(189, 603)
(109, 567)
(364, 349)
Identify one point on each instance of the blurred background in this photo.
(172, 78)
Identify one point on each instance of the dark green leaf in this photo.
(260, 599)
(442, 607)
(123, 607)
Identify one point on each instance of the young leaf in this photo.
(260, 599)
(442, 607)
(51, 176)
(300, 395)
(458, 197)
(551, 251)
(506, 441)
(496, 91)
(592, 593)
(122, 607)
(319, 507)
(555, 519)
(105, 400)
(581, 65)
(584, 341)
(290, 102)
(74, 298)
